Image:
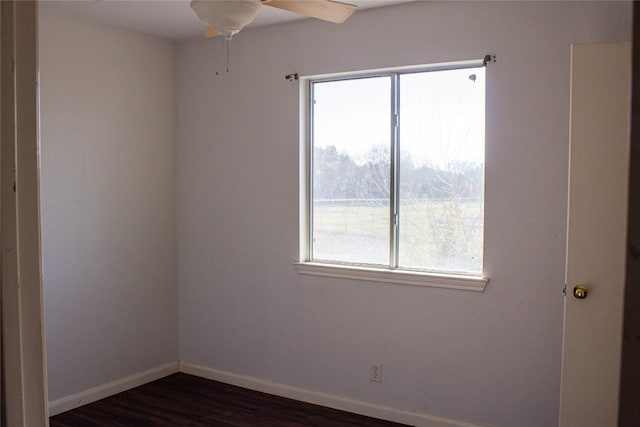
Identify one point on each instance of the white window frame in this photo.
(397, 275)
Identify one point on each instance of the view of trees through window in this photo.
(435, 122)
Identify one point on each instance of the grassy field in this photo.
(434, 234)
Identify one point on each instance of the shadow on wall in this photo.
(630, 376)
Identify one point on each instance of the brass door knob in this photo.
(580, 291)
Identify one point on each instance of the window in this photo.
(395, 171)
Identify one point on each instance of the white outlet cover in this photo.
(375, 372)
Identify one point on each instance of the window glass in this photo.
(397, 170)
(350, 194)
(442, 170)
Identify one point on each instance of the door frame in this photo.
(24, 390)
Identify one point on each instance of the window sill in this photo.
(403, 277)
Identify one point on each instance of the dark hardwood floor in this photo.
(186, 400)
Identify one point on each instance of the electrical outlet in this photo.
(375, 372)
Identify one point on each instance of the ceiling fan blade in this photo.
(326, 10)
(211, 32)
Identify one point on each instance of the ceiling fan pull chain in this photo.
(227, 44)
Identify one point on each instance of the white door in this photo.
(596, 236)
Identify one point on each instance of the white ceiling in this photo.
(174, 19)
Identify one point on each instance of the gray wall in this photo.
(108, 201)
(489, 358)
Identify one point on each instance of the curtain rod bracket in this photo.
(488, 58)
(291, 77)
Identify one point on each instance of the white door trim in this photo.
(24, 371)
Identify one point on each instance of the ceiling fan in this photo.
(227, 17)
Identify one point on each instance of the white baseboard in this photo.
(105, 390)
(319, 398)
